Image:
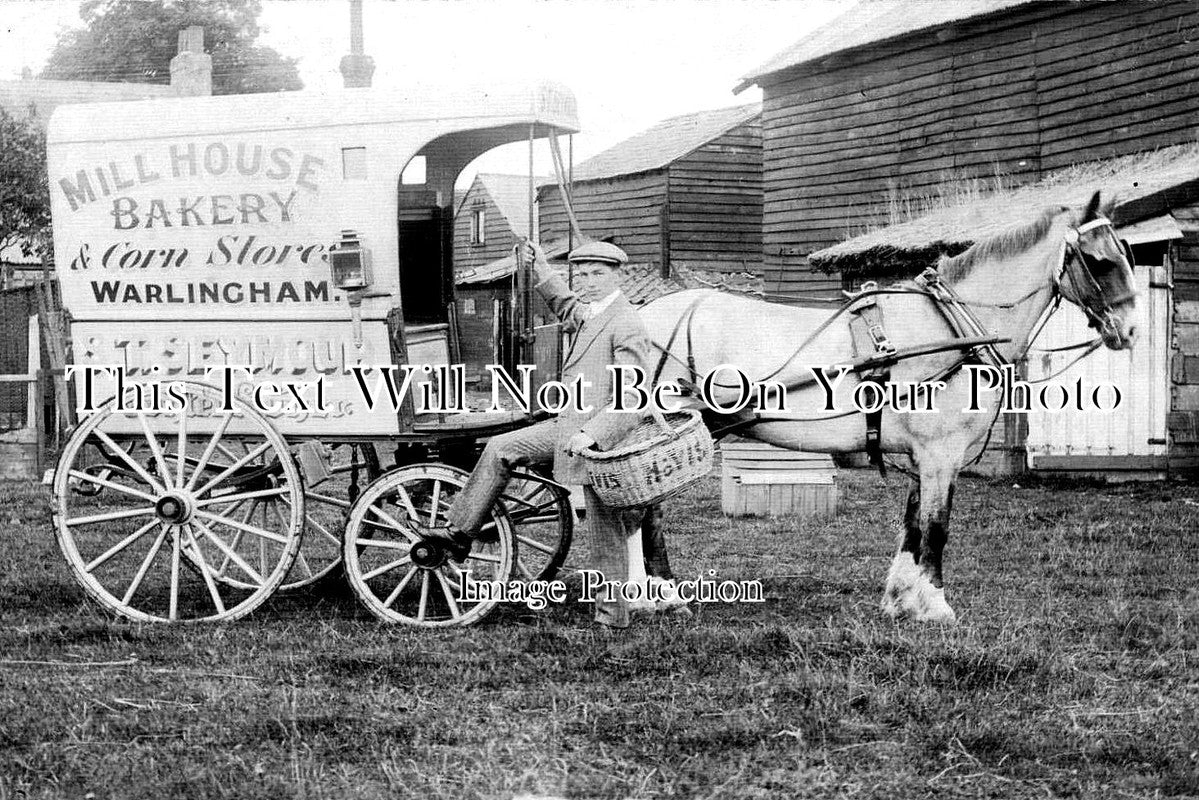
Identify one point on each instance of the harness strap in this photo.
(870, 339)
(686, 316)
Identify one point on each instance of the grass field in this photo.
(1074, 672)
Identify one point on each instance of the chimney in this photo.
(191, 69)
(356, 68)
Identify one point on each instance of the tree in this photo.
(134, 41)
(24, 187)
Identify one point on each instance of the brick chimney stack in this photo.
(191, 69)
(356, 68)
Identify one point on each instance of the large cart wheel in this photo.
(400, 572)
(542, 522)
(139, 497)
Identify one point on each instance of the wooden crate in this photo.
(762, 480)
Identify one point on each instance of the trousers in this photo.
(608, 528)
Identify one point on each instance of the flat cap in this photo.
(603, 252)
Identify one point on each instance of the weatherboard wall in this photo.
(874, 136)
(498, 235)
(703, 210)
(714, 214)
(627, 209)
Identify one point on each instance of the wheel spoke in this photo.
(228, 498)
(524, 571)
(424, 596)
(173, 612)
(320, 528)
(181, 447)
(259, 532)
(236, 465)
(536, 545)
(527, 518)
(110, 516)
(303, 562)
(324, 498)
(208, 450)
(388, 567)
(484, 557)
(390, 520)
(449, 595)
(408, 506)
(385, 544)
(136, 467)
(119, 546)
(145, 566)
(434, 505)
(237, 536)
(163, 472)
(395, 593)
(230, 554)
(107, 484)
(206, 572)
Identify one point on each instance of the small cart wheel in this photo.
(401, 573)
(139, 495)
(542, 522)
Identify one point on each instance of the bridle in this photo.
(1075, 274)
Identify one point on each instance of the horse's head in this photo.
(1096, 275)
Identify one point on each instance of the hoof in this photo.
(910, 594)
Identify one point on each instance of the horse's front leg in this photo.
(914, 584)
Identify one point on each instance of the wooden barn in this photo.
(685, 193)
(1155, 431)
(897, 106)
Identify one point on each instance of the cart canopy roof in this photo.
(505, 112)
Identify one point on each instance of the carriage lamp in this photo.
(349, 263)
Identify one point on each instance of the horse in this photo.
(1005, 284)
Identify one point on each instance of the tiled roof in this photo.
(665, 142)
(874, 21)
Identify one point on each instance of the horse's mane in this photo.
(1010, 243)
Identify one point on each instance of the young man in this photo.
(606, 330)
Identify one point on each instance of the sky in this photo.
(630, 63)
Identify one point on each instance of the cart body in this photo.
(195, 233)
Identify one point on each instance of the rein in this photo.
(970, 332)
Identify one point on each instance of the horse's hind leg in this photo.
(914, 585)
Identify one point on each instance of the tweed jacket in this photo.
(615, 336)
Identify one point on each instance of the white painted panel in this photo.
(277, 353)
(1141, 375)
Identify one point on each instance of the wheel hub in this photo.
(428, 554)
(173, 508)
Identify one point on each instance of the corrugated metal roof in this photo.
(1140, 186)
(665, 142)
(17, 96)
(874, 21)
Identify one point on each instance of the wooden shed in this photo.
(685, 193)
(484, 305)
(491, 217)
(1155, 431)
(884, 111)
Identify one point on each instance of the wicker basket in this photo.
(660, 457)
